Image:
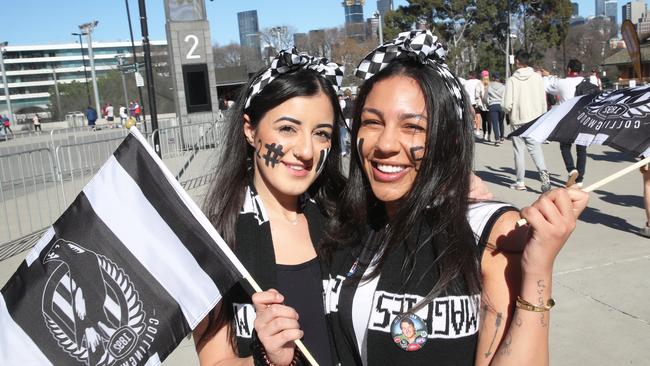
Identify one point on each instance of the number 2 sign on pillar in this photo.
(194, 40)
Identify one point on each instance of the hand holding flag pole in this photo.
(299, 344)
(605, 180)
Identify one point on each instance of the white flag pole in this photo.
(209, 228)
(299, 344)
(606, 180)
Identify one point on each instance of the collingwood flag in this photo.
(126, 272)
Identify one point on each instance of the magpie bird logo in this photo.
(623, 103)
(90, 305)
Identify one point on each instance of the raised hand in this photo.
(552, 218)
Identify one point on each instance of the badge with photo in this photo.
(409, 332)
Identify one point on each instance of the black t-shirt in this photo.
(301, 285)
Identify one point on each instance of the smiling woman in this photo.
(274, 182)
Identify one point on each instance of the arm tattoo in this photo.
(505, 347)
(497, 324)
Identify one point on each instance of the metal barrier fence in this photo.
(28, 192)
(179, 140)
(37, 184)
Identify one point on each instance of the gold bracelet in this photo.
(525, 305)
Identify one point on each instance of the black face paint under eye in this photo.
(415, 149)
(273, 154)
(321, 161)
(359, 147)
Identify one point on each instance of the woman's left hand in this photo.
(552, 219)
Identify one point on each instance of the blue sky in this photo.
(51, 21)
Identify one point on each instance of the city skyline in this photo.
(19, 29)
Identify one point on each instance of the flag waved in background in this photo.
(126, 272)
(620, 119)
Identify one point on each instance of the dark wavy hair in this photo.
(439, 194)
(225, 196)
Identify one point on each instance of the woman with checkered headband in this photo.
(406, 243)
(276, 178)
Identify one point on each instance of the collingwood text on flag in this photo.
(127, 271)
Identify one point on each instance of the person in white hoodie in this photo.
(565, 89)
(524, 100)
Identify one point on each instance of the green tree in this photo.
(73, 96)
(475, 31)
(542, 24)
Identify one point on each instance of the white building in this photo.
(30, 69)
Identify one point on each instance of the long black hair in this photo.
(440, 191)
(225, 196)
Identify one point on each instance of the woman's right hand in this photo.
(277, 326)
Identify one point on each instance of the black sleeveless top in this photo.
(302, 287)
(254, 248)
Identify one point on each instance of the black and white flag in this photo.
(620, 119)
(126, 272)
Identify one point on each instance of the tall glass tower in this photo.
(354, 22)
(249, 31)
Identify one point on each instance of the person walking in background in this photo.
(37, 123)
(594, 78)
(494, 93)
(132, 109)
(110, 115)
(91, 115)
(123, 115)
(483, 106)
(524, 100)
(137, 111)
(104, 114)
(6, 124)
(565, 89)
(470, 86)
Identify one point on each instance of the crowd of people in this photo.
(405, 259)
(132, 111)
(526, 95)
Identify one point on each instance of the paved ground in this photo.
(602, 277)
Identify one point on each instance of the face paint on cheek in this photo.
(273, 154)
(413, 150)
(360, 147)
(321, 161)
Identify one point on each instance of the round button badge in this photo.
(409, 332)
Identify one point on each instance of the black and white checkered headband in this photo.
(426, 48)
(288, 61)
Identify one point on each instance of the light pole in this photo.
(120, 62)
(135, 61)
(56, 91)
(83, 61)
(88, 29)
(377, 15)
(4, 80)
